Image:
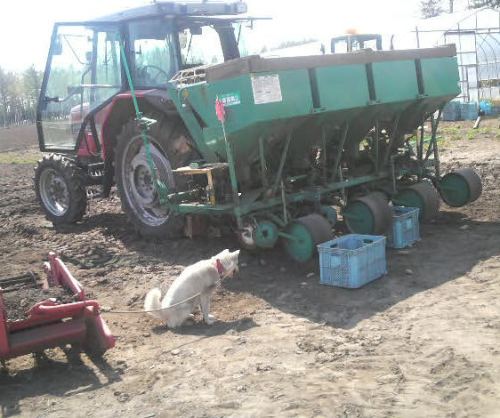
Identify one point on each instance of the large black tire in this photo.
(60, 189)
(170, 148)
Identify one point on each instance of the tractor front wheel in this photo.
(60, 189)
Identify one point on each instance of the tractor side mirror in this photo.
(72, 90)
(57, 48)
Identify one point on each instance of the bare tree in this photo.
(477, 4)
(430, 8)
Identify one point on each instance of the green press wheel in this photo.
(423, 196)
(460, 187)
(368, 215)
(329, 213)
(380, 194)
(304, 234)
(266, 234)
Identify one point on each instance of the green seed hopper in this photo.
(305, 136)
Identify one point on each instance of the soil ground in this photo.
(421, 341)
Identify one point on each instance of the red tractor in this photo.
(86, 120)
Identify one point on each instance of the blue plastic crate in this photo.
(451, 112)
(485, 107)
(405, 227)
(352, 260)
(468, 111)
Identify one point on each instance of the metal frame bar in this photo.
(284, 154)
(323, 152)
(263, 167)
(420, 140)
(340, 151)
(437, 164)
(392, 138)
(310, 195)
(433, 147)
(233, 178)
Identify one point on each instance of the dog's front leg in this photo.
(196, 305)
(205, 308)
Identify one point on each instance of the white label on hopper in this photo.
(266, 89)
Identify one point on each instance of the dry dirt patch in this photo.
(422, 341)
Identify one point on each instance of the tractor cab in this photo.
(94, 73)
(84, 70)
(355, 42)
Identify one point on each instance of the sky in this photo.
(25, 25)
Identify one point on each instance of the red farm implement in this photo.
(73, 320)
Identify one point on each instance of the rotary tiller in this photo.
(50, 324)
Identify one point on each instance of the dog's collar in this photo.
(219, 267)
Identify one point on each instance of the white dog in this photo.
(197, 279)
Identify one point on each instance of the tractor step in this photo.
(95, 172)
(94, 193)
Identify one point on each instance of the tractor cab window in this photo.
(251, 41)
(83, 72)
(153, 52)
(200, 45)
(349, 43)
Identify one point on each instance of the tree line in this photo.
(432, 8)
(19, 93)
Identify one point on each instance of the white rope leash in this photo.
(159, 309)
(162, 309)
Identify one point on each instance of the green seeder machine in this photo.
(304, 135)
(276, 148)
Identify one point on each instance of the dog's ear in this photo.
(235, 254)
(222, 254)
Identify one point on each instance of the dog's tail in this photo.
(153, 303)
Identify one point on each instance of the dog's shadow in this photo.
(204, 330)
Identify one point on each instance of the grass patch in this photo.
(451, 132)
(19, 157)
(471, 134)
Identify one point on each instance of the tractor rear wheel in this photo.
(140, 201)
(60, 189)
